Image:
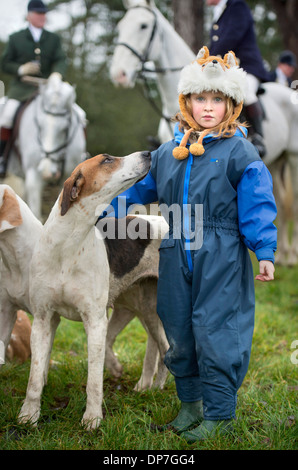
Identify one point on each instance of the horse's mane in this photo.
(172, 39)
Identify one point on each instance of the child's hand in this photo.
(266, 271)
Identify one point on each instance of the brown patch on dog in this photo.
(87, 178)
(10, 211)
(124, 254)
(19, 345)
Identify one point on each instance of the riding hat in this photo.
(288, 57)
(209, 73)
(38, 6)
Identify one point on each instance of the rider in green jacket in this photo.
(33, 51)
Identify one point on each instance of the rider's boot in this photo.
(254, 116)
(5, 134)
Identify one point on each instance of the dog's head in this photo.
(10, 213)
(102, 178)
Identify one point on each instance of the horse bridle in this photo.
(144, 57)
(68, 140)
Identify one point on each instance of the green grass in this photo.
(267, 400)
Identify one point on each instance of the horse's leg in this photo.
(283, 247)
(33, 189)
(293, 162)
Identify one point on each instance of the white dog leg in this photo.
(96, 333)
(41, 343)
(149, 365)
(120, 317)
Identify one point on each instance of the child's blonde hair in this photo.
(226, 128)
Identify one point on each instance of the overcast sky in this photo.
(13, 17)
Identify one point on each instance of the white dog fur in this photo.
(69, 274)
(132, 294)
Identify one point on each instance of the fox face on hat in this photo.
(209, 73)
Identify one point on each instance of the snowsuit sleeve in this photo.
(257, 211)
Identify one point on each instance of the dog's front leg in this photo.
(120, 317)
(42, 333)
(96, 330)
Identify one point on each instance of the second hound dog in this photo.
(70, 272)
(133, 285)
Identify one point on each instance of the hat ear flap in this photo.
(187, 116)
(203, 53)
(237, 112)
(230, 59)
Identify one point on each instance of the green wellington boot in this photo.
(208, 429)
(190, 415)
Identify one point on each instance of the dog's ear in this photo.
(71, 190)
(10, 213)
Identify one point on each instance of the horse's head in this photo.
(53, 121)
(138, 41)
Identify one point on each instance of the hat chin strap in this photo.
(197, 149)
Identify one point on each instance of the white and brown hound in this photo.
(70, 271)
(133, 284)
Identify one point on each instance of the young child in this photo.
(206, 290)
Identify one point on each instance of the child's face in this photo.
(208, 108)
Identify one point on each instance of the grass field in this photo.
(267, 400)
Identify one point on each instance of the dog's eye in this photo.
(107, 159)
(144, 26)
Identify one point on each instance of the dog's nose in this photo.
(146, 154)
(214, 61)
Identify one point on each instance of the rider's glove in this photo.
(30, 68)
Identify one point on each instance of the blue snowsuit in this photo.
(206, 293)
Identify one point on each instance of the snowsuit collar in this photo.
(178, 135)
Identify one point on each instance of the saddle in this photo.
(16, 127)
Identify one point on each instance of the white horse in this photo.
(50, 142)
(145, 35)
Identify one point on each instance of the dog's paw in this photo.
(113, 366)
(143, 384)
(29, 414)
(90, 422)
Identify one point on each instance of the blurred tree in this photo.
(287, 17)
(189, 22)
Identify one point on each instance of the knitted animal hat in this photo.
(209, 73)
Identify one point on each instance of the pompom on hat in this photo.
(208, 73)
